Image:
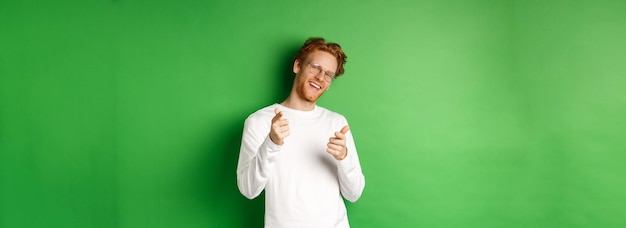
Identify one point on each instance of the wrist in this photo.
(274, 141)
(344, 155)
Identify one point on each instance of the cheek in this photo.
(300, 76)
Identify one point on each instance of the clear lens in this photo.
(316, 69)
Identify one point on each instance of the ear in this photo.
(296, 66)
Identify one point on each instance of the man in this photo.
(301, 154)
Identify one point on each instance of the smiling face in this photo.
(307, 86)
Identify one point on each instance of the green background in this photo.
(129, 113)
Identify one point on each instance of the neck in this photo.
(298, 104)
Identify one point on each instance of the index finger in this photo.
(345, 129)
(278, 112)
(278, 116)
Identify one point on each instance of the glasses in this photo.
(315, 69)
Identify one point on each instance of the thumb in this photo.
(278, 112)
(345, 129)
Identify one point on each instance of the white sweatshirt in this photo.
(303, 183)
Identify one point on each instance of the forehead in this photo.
(324, 59)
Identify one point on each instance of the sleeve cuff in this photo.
(271, 147)
(347, 161)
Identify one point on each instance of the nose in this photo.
(320, 76)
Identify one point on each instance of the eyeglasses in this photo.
(315, 69)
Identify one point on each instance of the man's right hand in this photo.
(280, 128)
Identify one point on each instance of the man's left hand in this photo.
(337, 145)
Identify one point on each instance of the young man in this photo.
(301, 154)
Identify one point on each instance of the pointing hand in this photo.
(280, 128)
(337, 145)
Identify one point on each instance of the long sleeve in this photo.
(304, 185)
(351, 178)
(256, 158)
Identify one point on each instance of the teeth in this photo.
(315, 85)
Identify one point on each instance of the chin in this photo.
(313, 98)
(310, 95)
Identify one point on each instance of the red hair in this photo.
(319, 44)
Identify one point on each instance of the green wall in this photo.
(128, 113)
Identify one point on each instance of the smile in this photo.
(315, 85)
